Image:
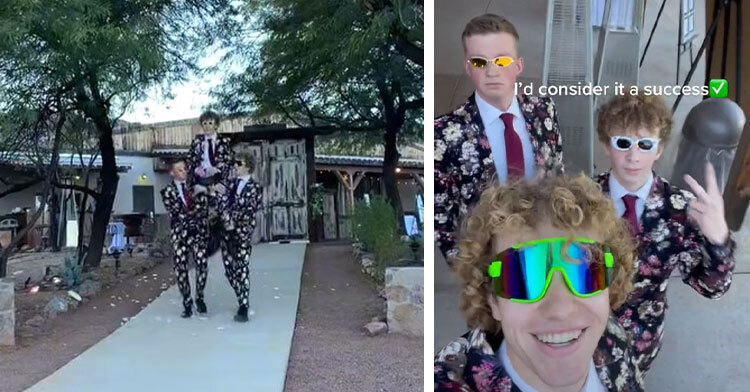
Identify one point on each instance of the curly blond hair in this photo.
(629, 113)
(573, 204)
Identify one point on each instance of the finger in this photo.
(695, 216)
(712, 185)
(696, 188)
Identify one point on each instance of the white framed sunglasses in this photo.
(624, 143)
(481, 62)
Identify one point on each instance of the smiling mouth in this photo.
(560, 339)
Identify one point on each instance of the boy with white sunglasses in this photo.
(673, 228)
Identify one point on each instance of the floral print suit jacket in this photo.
(243, 207)
(471, 363)
(223, 156)
(464, 164)
(667, 240)
(185, 220)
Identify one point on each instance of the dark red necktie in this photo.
(513, 148)
(630, 214)
(186, 195)
(211, 151)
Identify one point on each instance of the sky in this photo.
(189, 98)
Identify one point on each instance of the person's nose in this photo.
(633, 155)
(493, 69)
(559, 303)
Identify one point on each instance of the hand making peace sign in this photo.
(708, 209)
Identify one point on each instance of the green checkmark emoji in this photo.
(719, 88)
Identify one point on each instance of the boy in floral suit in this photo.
(495, 134)
(239, 205)
(528, 335)
(189, 235)
(674, 228)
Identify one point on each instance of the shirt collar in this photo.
(490, 114)
(618, 191)
(178, 182)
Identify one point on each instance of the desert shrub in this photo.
(376, 227)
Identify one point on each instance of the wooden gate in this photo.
(330, 231)
(280, 169)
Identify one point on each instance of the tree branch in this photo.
(79, 188)
(20, 187)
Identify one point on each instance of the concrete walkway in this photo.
(158, 351)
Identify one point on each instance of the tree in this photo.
(353, 64)
(100, 55)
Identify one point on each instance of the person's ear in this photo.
(494, 306)
(607, 149)
(519, 65)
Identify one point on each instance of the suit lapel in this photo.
(477, 135)
(656, 211)
(536, 134)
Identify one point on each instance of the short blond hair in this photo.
(631, 112)
(488, 24)
(573, 204)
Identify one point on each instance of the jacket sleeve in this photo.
(225, 163)
(556, 155)
(447, 194)
(706, 267)
(170, 204)
(193, 160)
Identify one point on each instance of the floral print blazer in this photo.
(667, 240)
(243, 207)
(464, 162)
(223, 157)
(471, 363)
(184, 219)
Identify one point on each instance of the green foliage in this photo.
(375, 226)
(97, 52)
(332, 62)
(72, 272)
(317, 198)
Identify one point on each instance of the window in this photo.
(143, 198)
(621, 14)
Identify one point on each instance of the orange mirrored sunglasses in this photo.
(481, 62)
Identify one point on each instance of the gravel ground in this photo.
(38, 354)
(329, 351)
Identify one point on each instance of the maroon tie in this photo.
(630, 214)
(186, 195)
(211, 152)
(513, 148)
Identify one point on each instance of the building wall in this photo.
(140, 165)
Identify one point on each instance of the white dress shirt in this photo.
(241, 185)
(495, 130)
(206, 161)
(179, 184)
(592, 384)
(617, 191)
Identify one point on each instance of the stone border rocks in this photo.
(7, 313)
(404, 292)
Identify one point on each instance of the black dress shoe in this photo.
(187, 313)
(241, 316)
(200, 306)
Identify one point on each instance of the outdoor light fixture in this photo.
(398, 170)
(143, 177)
(77, 178)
